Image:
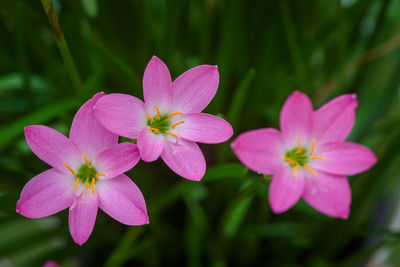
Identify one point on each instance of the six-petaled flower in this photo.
(309, 157)
(169, 123)
(86, 174)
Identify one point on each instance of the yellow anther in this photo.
(158, 113)
(99, 174)
(154, 130)
(310, 169)
(298, 143)
(69, 168)
(76, 185)
(295, 170)
(175, 124)
(87, 162)
(150, 118)
(173, 114)
(323, 158)
(174, 135)
(312, 147)
(290, 160)
(89, 186)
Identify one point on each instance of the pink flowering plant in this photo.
(309, 157)
(87, 173)
(169, 123)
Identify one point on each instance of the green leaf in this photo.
(228, 170)
(239, 98)
(236, 216)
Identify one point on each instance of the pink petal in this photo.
(51, 264)
(328, 194)
(150, 145)
(53, 147)
(203, 128)
(46, 194)
(82, 216)
(344, 158)
(157, 85)
(334, 120)
(116, 160)
(285, 189)
(296, 118)
(195, 88)
(121, 114)
(259, 150)
(185, 158)
(122, 200)
(87, 133)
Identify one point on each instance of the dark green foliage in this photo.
(264, 51)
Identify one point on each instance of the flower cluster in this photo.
(308, 158)
(88, 167)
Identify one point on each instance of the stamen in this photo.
(154, 130)
(94, 179)
(91, 187)
(290, 160)
(87, 162)
(69, 168)
(298, 143)
(172, 134)
(150, 118)
(99, 174)
(323, 158)
(173, 114)
(310, 169)
(77, 182)
(175, 124)
(312, 147)
(158, 112)
(295, 170)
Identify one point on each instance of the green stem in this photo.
(223, 240)
(48, 7)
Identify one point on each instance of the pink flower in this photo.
(51, 264)
(169, 123)
(309, 157)
(86, 174)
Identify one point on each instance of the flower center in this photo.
(86, 175)
(299, 157)
(161, 123)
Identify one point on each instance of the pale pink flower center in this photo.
(161, 124)
(299, 157)
(88, 173)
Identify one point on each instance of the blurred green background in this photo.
(264, 50)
